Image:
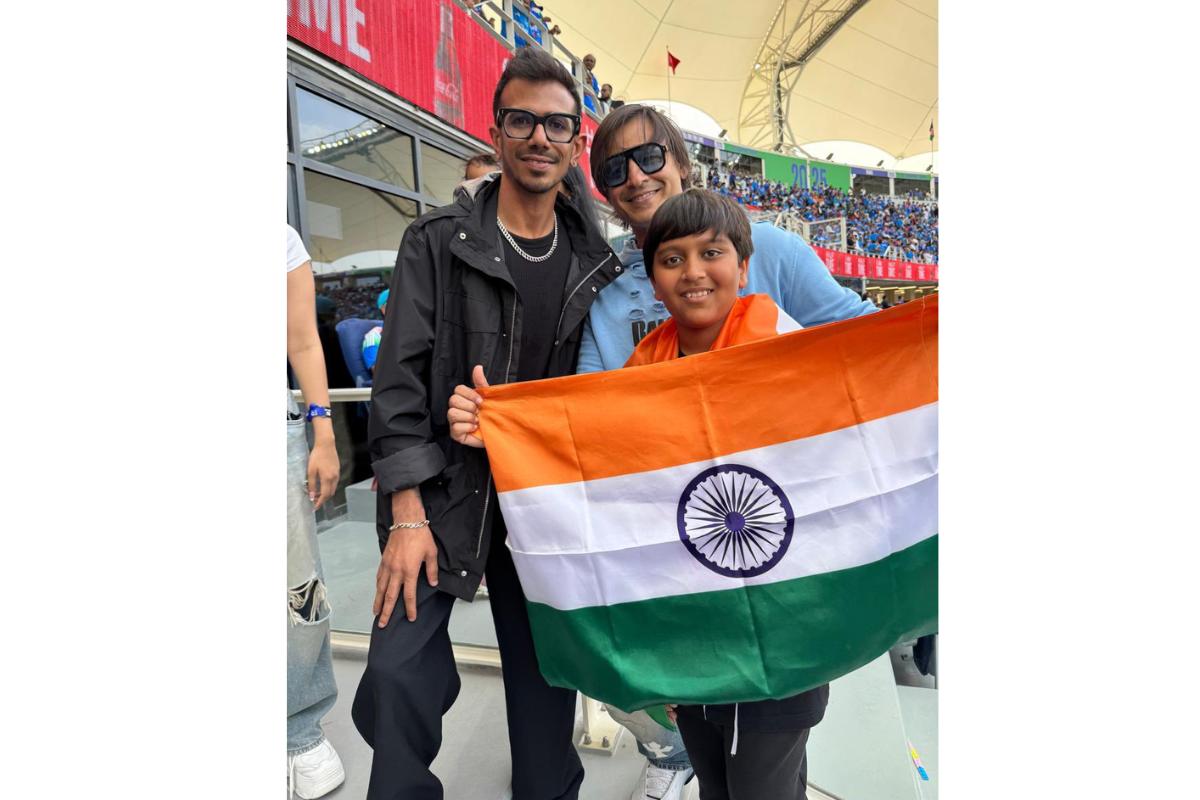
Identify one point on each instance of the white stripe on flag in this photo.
(839, 538)
(785, 324)
(817, 473)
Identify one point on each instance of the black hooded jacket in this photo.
(452, 305)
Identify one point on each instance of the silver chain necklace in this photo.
(522, 253)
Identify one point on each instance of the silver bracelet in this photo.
(420, 524)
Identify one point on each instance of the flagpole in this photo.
(670, 108)
(931, 157)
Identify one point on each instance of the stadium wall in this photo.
(849, 265)
(792, 171)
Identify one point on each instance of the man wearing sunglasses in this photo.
(638, 160)
(502, 277)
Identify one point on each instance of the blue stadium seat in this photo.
(350, 333)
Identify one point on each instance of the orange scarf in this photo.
(752, 318)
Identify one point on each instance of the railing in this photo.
(895, 253)
(341, 395)
(790, 220)
(899, 198)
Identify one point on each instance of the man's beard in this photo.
(530, 188)
(514, 171)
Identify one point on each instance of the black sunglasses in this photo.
(650, 158)
(517, 123)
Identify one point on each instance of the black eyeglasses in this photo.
(517, 123)
(650, 158)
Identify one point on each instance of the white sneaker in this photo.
(315, 773)
(656, 783)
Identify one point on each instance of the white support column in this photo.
(512, 23)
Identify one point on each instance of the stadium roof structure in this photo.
(775, 74)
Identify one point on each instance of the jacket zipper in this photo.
(488, 487)
(567, 302)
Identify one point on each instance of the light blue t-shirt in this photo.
(782, 266)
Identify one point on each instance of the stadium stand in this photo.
(903, 227)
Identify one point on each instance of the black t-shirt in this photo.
(540, 286)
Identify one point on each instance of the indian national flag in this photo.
(743, 524)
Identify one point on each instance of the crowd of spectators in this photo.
(876, 225)
(354, 301)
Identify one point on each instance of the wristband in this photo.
(315, 410)
(408, 525)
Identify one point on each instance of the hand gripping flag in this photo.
(742, 524)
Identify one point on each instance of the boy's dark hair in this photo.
(662, 130)
(535, 65)
(696, 211)
(481, 160)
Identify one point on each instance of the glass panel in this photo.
(351, 227)
(440, 173)
(340, 137)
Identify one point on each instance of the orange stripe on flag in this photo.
(598, 425)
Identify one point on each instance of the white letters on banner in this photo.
(355, 18)
(321, 10)
(328, 17)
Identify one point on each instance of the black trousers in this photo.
(768, 766)
(410, 681)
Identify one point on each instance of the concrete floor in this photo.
(858, 751)
(473, 763)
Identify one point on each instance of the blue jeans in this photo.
(662, 746)
(311, 690)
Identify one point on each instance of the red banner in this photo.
(430, 52)
(588, 130)
(850, 265)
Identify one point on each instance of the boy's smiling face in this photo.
(697, 278)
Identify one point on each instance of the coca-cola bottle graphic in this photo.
(447, 79)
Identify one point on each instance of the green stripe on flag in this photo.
(705, 647)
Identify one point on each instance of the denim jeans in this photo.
(311, 690)
(662, 746)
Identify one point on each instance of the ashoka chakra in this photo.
(735, 520)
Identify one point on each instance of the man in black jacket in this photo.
(503, 277)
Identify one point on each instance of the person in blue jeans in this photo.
(314, 768)
(638, 161)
